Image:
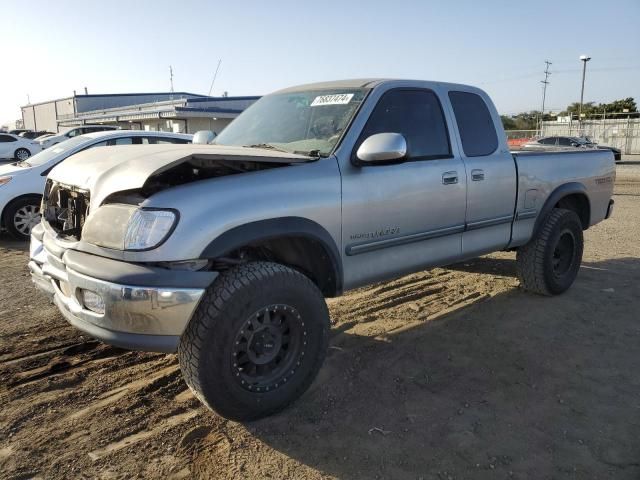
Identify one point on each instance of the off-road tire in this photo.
(12, 209)
(535, 261)
(206, 350)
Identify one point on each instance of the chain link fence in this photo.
(619, 132)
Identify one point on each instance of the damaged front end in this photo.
(65, 209)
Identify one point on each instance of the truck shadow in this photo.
(9, 243)
(519, 385)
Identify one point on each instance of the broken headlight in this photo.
(128, 227)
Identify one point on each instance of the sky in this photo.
(51, 48)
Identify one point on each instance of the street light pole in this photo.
(584, 59)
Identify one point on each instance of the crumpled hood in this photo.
(106, 170)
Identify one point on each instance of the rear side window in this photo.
(417, 115)
(6, 138)
(475, 124)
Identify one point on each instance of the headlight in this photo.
(148, 228)
(128, 227)
(5, 180)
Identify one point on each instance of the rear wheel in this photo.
(549, 263)
(256, 341)
(21, 215)
(21, 154)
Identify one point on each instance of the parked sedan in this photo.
(31, 135)
(13, 146)
(74, 132)
(560, 142)
(587, 142)
(22, 183)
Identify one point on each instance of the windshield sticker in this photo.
(337, 99)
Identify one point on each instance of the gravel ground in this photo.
(447, 373)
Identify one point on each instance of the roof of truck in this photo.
(365, 83)
(352, 83)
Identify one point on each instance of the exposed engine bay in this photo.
(65, 208)
(197, 168)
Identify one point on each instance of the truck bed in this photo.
(540, 173)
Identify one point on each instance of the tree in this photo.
(508, 123)
(523, 121)
(619, 106)
(590, 109)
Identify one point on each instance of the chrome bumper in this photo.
(135, 317)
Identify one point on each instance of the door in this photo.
(491, 176)
(7, 143)
(405, 216)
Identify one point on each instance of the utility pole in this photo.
(171, 80)
(545, 82)
(584, 59)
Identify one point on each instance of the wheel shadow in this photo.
(520, 386)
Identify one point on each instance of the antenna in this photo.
(171, 80)
(545, 82)
(214, 77)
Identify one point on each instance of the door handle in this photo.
(449, 178)
(477, 175)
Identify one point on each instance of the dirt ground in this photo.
(448, 373)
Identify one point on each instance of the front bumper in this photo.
(142, 316)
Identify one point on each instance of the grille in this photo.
(65, 208)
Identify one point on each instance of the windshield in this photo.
(55, 151)
(307, 122)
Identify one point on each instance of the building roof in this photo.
(203, 106)
(102, 95)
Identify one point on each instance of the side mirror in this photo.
(203, 137)
(382, 147)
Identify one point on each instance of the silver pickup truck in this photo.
(225, 252)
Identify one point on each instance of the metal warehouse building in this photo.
(175, 111)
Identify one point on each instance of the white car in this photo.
(74, 132)
(22, 183)
(13, 146)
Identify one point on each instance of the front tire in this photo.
(256, 341)
(21, 154)
(21, 215)
(549, 263)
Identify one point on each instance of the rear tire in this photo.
(21, 215)
(549, 263)
(21, 154)
(256, 341)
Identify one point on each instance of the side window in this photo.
(121, 141)
(6, 138)
(417, 115)
(564, 142)
(73, 133)
(477, 132)
(548, 141)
